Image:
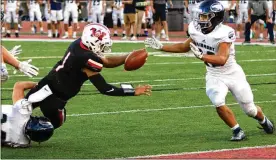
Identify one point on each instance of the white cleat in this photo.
(124, 38)
(74, 36)
(238, 136)
(65, 37)
(133, 38)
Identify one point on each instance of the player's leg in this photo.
(75, 17)
(31, 14)
(53, 21)
(15, 22)
(39, 19)
(133, 25)
(165, 24)
(47, 14)
(115, 21)
(248, 27)
(53, 108)
(8, 23)
(66, 22)
(121, 18)
(243, 94)
(127, 26)
(216, 90)
(239, 23)
(58, 23)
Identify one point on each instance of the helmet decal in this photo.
(216, 7)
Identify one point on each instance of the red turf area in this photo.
(252, 153)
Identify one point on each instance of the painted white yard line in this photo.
(208, 151)
(274, 94)
(161, 54)
(156, 109)
(161, 80)
(115, 41)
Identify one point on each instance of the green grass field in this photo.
(178, 117)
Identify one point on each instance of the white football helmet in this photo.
(96, 37)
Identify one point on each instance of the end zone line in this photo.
(156, 109)
(208, 151)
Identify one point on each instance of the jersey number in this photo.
(96, 2)
(63, 62)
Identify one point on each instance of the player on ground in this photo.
(213, 43)
(34, 11)
(71, 8)
(96, 11)
(11, 9)
(82, 61)
(18, 127)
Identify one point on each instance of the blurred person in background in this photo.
(11, 15)
(259, 10)
(47, 13)
(130, 19)
(34, 12)
(140, 6)
(241, 9)
(55, 8)
(160, 18)
(96, 11)
(71, 8)
(118, 13)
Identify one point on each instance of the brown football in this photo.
(136, 59)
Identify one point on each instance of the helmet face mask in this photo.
(39, 129)
(209, 15)
(96, 38)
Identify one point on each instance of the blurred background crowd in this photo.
(128, 19)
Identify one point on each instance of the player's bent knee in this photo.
(250, 109)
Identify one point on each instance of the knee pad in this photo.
(249, 109)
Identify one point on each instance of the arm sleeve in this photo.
(93, 63)
(99, 82)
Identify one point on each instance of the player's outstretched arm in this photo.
(19, 88)
(216, 59)
(23, 66)
(175, 48)
(107, 89)
(114, 61)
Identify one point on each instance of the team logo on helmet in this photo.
(97, 33)
(216, 7)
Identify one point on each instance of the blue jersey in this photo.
(55, 4)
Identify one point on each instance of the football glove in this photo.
(28, 69)
(153, 43)
(196, 51)
(16, 50)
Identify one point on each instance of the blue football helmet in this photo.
(39, 129)
(209, 14)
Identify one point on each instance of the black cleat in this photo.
(8, 35)
(115, 35)
(268, 126)
(272, 42)
(54, 35)
(123, 35)
(246, 42)
(16, 35)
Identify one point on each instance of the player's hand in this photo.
(196, 51)
(153, 10)
(153, 43)
(143, 90)
(28, 69)
(16, 50)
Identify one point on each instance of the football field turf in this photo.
(178, 117)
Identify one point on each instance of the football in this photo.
(136, 59)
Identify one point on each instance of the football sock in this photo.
(236, 128)
(263, 121)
